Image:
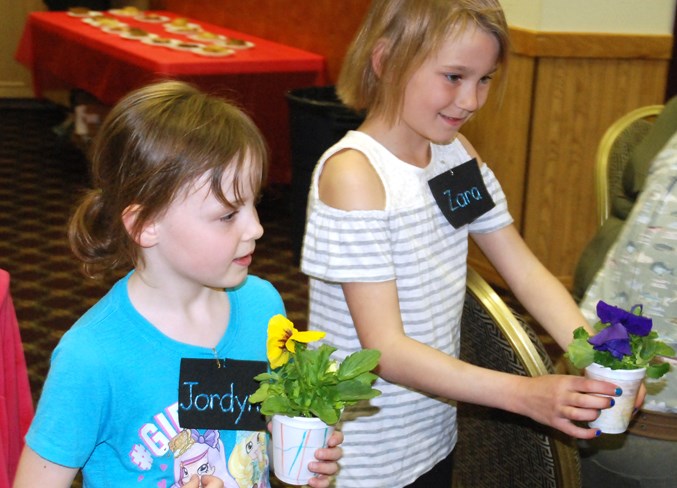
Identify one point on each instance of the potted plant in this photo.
(306, 389)
(623, 351)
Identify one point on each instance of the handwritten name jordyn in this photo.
(462, 199)
(226, 402)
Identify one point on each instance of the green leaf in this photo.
(358, 363)
(324, 412)
(353, 390)
(277, 404)
(604, 358)
(266, 377)
(261, 394)
(663, 349)
(581, 333)
(657, 370)
(366, 378)
(580, 351)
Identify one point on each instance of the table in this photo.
(63, 52)
(16, 402)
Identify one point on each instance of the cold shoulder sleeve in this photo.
(342, 246)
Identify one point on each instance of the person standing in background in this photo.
(641, 268)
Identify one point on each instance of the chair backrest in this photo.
(495, 447)
(613, 153)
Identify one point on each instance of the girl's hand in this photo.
(204, 481)
(641, 394)
(561, 400)
(327, 464)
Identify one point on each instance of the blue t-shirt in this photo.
(110, 402)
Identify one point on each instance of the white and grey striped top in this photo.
(402, 433)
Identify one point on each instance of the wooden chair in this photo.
(613, 153)
(497, 448)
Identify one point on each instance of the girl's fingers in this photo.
(319, 481)
(329, 454)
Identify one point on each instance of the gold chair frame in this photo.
(604, 151)
(506, 321)
(564, 451)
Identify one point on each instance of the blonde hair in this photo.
(411, 31)
(154, 143)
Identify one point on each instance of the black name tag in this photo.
(461, 193)
(214, 394)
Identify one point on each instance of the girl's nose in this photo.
(468, 99)
(255, 229)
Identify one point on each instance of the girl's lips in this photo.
(455, 121)
(244, 260)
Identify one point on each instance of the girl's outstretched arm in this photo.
(541, 293)
(36, 472)
(546, 299)
(555, 400)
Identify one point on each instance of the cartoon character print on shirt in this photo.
(248, 463)
(199, 453)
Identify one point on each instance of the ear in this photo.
(147, 235)
(380, 48)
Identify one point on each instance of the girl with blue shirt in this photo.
(150, 386)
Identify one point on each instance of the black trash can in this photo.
(317, 120)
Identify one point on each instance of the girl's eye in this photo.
(453, 78)
(486, 80)
(228, 217)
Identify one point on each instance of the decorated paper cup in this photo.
(295, 440)
(615, 420)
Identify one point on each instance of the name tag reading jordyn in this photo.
(461, 193)
(214, 394)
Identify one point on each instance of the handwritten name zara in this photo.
(462, 199)
(226, 403)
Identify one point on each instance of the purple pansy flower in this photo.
(614, 339)
(634, 324)
(624, 340)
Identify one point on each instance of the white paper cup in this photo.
(615, 420)
(295, 440)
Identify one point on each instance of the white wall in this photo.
(611, 16)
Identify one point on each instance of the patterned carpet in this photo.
(41, 178)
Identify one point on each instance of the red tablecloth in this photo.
(62, 51)
(16, 403)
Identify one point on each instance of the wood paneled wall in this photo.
(324, 27)
(563, 92)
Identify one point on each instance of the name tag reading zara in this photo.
(461, 193)
(214, 394)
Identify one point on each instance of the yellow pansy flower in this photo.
(282, 339)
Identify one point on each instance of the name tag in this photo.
(461, 194)
(214, 394)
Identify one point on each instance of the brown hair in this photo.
(153, 144)
(412, 30)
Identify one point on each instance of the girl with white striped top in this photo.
(391, 207)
